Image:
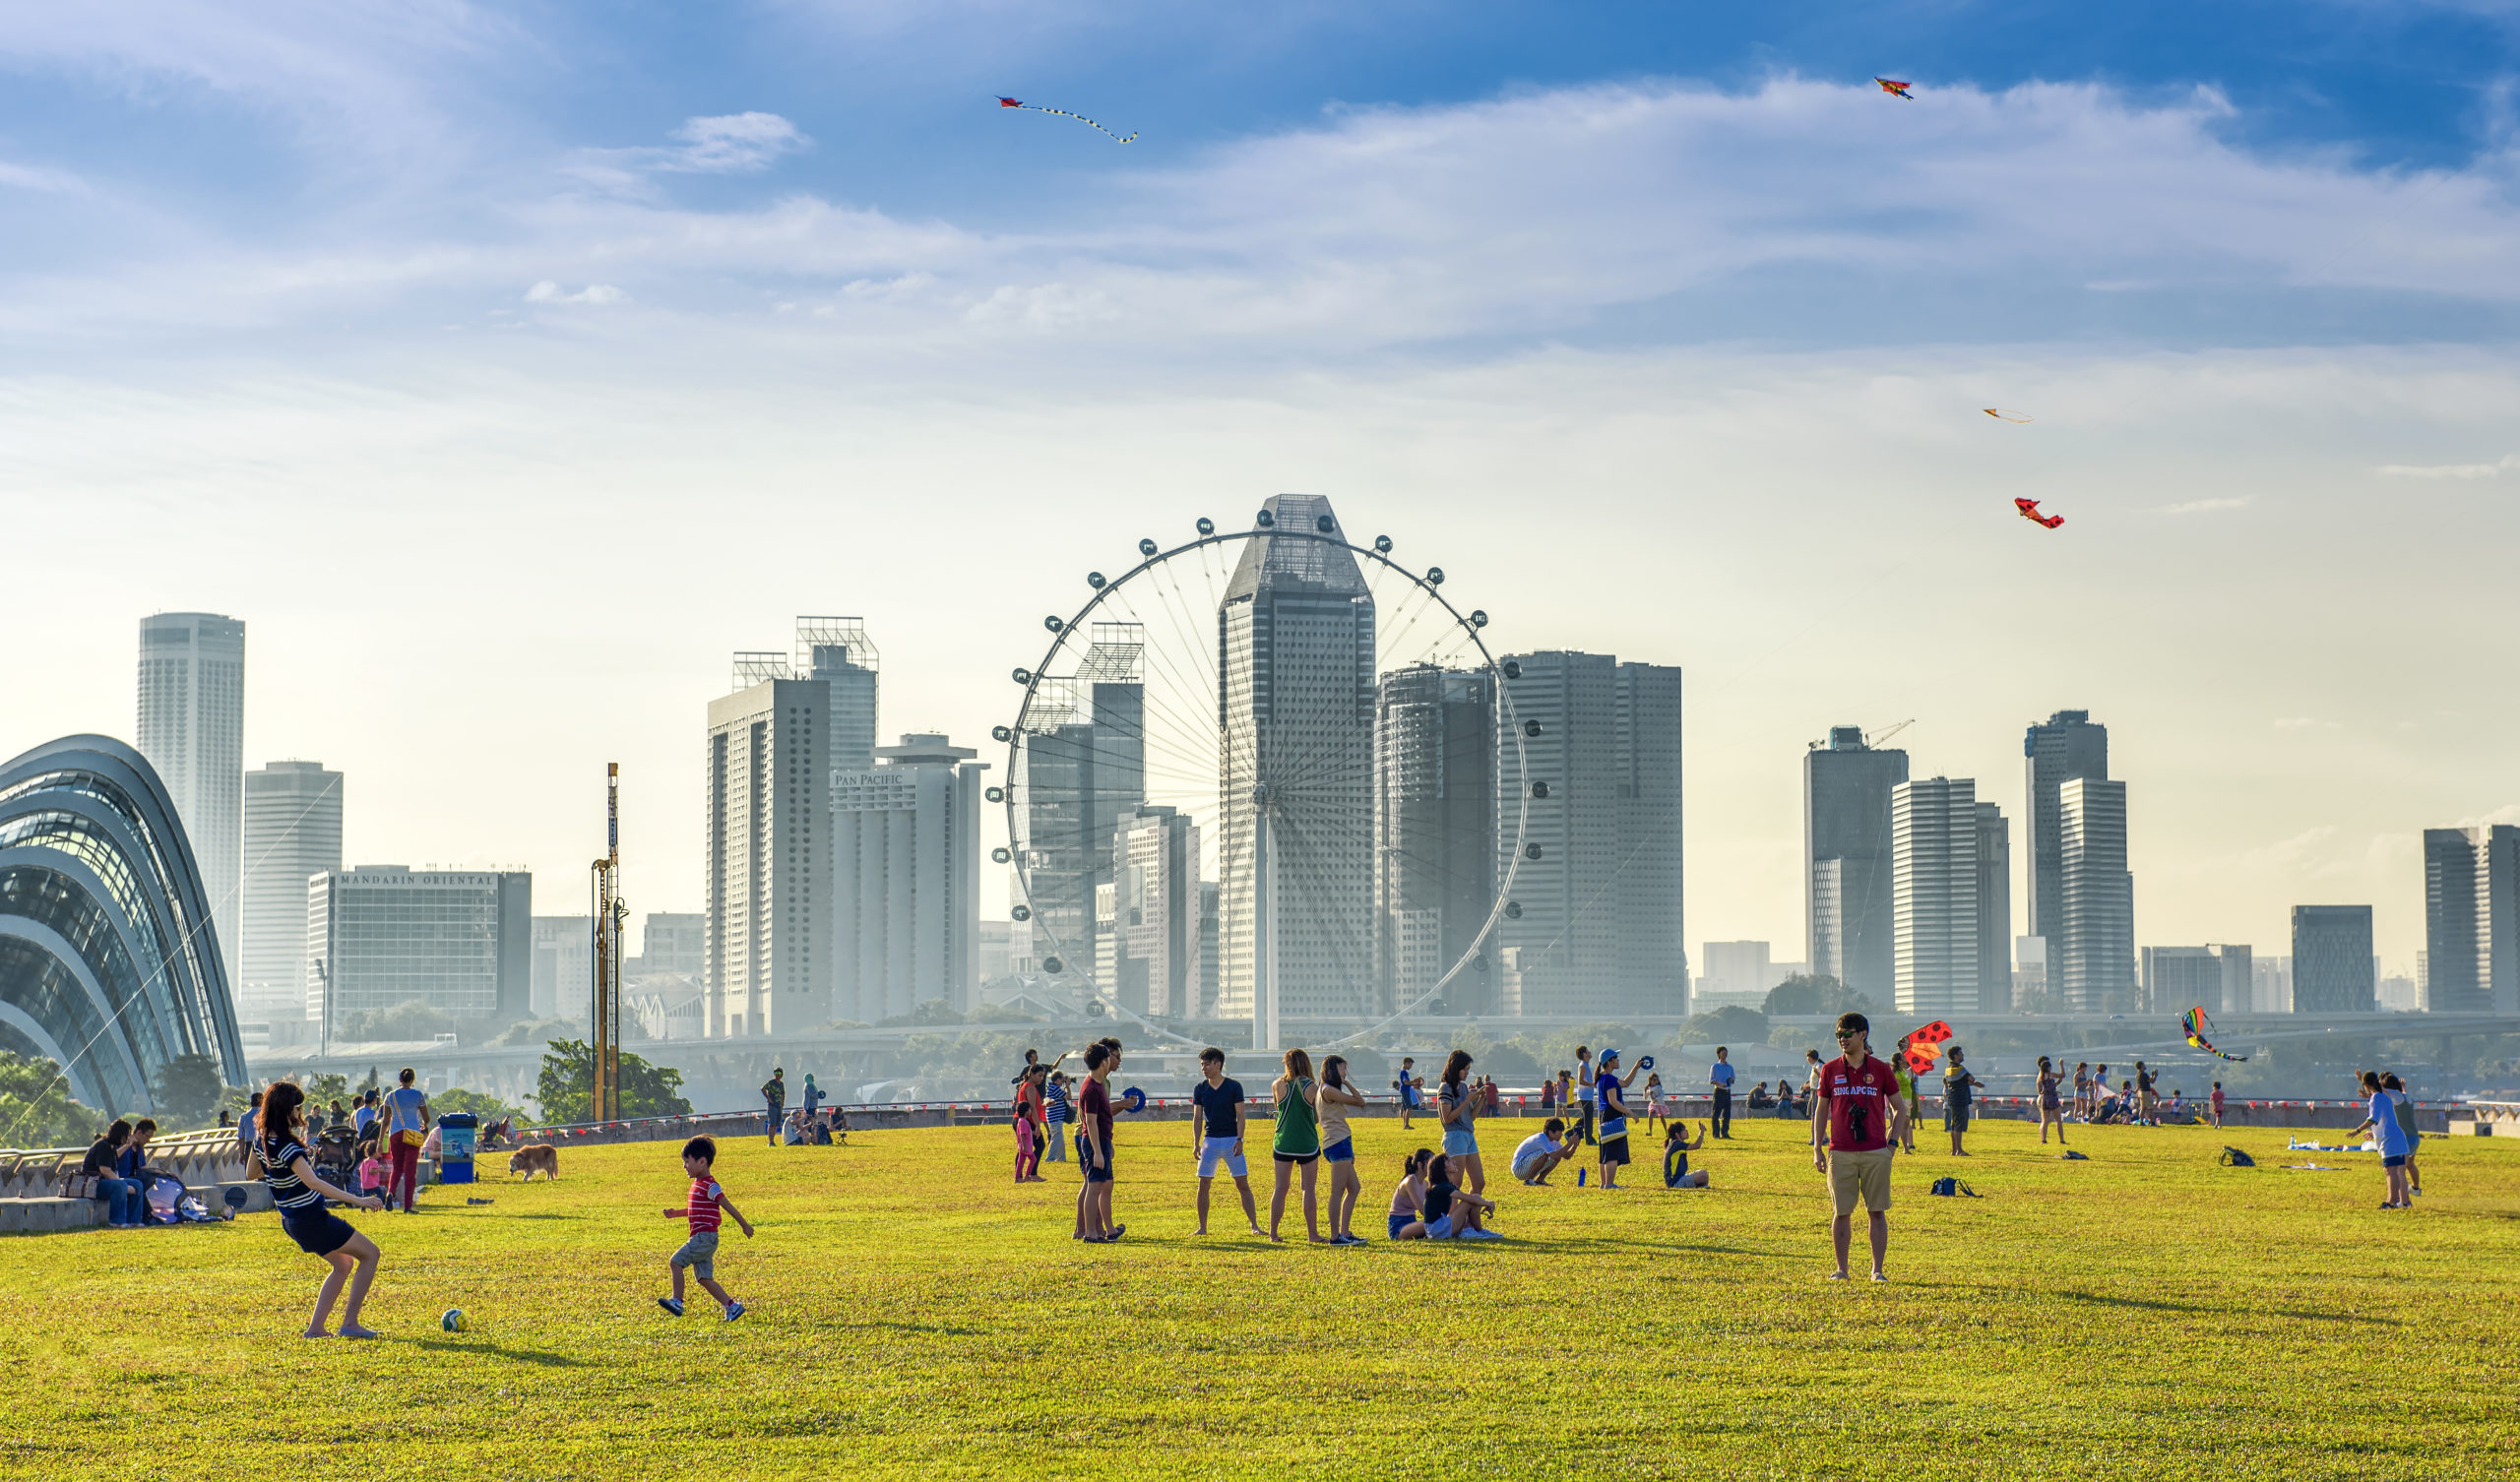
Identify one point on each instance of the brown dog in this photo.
(536, 1157)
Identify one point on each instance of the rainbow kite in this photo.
(1894, 87)
(2196, 1024)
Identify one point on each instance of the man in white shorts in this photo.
(1544, 1151)
(1217, 1103)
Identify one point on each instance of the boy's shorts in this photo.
(1859, 1175)
(1215, 1150)
(700, 1253)
(1530, 1166)
(1095, 1172)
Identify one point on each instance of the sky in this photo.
(506, 369)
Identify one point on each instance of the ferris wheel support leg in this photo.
(1264, 996)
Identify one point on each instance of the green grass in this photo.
(2145, 1314)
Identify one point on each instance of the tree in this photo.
(413, 1018)
(188, 1088)
(35, 1109)
(1817, 992)
(565, 1089)
(484, 1107)
(1731, 1024)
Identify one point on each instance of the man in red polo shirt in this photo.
(1858, 1100)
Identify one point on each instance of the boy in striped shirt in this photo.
(700, 1251)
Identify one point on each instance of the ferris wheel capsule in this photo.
(1094, 579)
(1053, 964)
(1540, 789)
(1207, 526)
(1267, 520)
(1054, 622)
(996, 794)
(1001, 855)
(1382, 545)
(1022, 913)
(1514, 670)
(1529, 727)
(1325, 525)
(1531, 851)
(1023, 676)
(1434, 575)
(1513, 910)
(1148, 547)
(1000, 733)
(1479, 617)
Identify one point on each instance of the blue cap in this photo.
(1605, 1056)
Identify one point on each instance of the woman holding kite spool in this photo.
(2049, 1109)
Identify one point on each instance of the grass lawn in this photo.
(2145, 1314)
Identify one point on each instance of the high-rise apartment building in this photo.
(906, 880)
(838, 652)
(1084, 774)
(460, 941)
(2092, 948)
(2332, 971)
(2471, 915)
(192, 731)
(2066, 747)
(1994, 909)
(1295, 723)
(1934, 856)
(1599, 887)
(1435, 833)
(2176, 978)
(767, 870)
(675, 944)
(563, 968)
(1155, 913)
(293, 830)
(1845, 850)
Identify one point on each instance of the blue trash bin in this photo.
(455, 1134)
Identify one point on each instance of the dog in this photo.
(533, 1158)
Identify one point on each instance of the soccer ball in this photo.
(454, 1321)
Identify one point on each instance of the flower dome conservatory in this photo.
(107, 962)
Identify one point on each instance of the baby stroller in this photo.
(336, 1158)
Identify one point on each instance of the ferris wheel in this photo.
(1268, 773)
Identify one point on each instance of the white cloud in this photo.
(730, 144)
(29, 177)
(2503, 465)
(2204, 506)
(549, 292)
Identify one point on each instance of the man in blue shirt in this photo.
(1720, 1077)
(1216, 1134)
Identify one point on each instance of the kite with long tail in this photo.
(2196, 1024)
(1015, 102)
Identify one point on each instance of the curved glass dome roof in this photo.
(108, 964)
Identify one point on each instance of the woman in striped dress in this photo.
(281, 1159)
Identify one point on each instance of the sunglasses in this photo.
(1847, 1035)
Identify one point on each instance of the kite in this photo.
(2196, 1024)
(1895, 88)
(1015, 102)
(2002, 416)
(2030, 511)
(1923, 1046)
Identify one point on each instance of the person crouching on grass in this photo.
(281, 1159)
(1856, 1103)
(1544, 1151)
(700, 1251)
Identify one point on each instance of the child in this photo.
(1548, 1097)
(1409, 1196)
(700, 1251)
(2405, 1108)
(1054, 1113)
(1407, 1085)
(1653, 1100)
(1028, 1130)
(1677, 1149)
(372, 1172)
(1584, 1090)
(1453, 1213)
(2218, 1106)
(1906, 1077)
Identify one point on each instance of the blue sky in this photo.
(421, 336)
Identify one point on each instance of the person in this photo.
(281, 1161)
(364, 1112)
(2405, 1108)
(813, 1096)
(1055, 1108)
(2218, 1108)
(1033, 1061)
(1409, 1196)
(1547, 1094)
(1785, 1110)
(1296, 1143)
(224, 1120)
(121, 1195)
(1856, 1108)
(2082, 1090)
(2051, 1114)
(1653, 1101)
(2144, 1098)
(1329, 1101)
(1543, 1151)
(373, 1172)
(131, 1165)
(1495, 1096)
(703, 1208)
(340, 1118)
(1677, 1149)
(1028, 1127)
(2102, 1097)
(1458, 1111)
(1093, 1223)
(1719, 1077)
(1216, 1113)
(1609, 1100)
(407, 1120)
(1452, 1211)
(1760, 1100)
(1959, 1089)
(2380, 1120)
(1906, 1074)
(1584, 1091)
(774, 1094)
(1408, 1087)
(246, 1125)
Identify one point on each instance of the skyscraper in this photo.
(1846, 848)
(2068, 746)
(1935, 936)
(906, 880)
(768, 866)
(1295, 723)
(192, 731)
(293, 830)
(2091, 953)
(1084, 761)
(1600, 928)
(2332, 959)
(1435, 833)
(1154, 927)
(1994, 911)
(563, 968)
(2177, 978)
(2471, 915)
(460, 941)
(838, 652)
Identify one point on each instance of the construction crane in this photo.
(1876, 738)
(603, 1081)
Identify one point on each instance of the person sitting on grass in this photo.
(700, 1251)
(1544, 1151)
(1454, 1212)
(1759, 1099)
(1409, 1196)
(1677, 1149)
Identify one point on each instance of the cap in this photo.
(1605, 1057)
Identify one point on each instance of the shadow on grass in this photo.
(540, 1356)
(934, 1327)
(2158, 1305)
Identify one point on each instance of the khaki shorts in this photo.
(1864, 1175)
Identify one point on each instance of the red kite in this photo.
(2030, 511)
(1894, 89)
(1921, 1046)
(1004, 102)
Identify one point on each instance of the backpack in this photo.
(1950, 1187)
(2233, 1157)
(2072, 1157)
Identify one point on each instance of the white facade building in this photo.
(192, 731)
(293, 830)
(767, 867)
(2092, 955)
(1933, 894)
(563, 967)
(906, 880)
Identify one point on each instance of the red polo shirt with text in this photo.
(1858, 1103)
